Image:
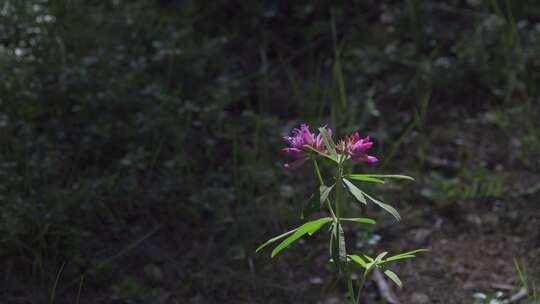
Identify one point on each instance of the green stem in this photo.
(361, 286)
(350, 283)
(338, 203)
(318, 171)
(338, 190)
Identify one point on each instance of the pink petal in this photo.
(307, 136)
(318, 142)
(293, 151)
(329, 131)
(364, 157)
(371, 159)
(362, 145)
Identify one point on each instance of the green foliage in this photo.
(359, 220)
(368, 263)
(357, 193)
(307, 228)
(378, 178)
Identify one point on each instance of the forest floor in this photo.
(472, 250)
(473, 245)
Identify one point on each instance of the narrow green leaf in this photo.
(357, 193)
(389, 209)
(334, 246)
(331, 243)
(317, 224)
(401, 257)
(405, 255)
(386, 207)
(363, 220)
(338, 251)
(382, 176)
(329, 143)
(380, 257)
(370, 259)
(324, 192)
(270, 241)
(390, 274)
(357, 259)
(412, 252)
(341, 242)
(309, 228)
(363, 178)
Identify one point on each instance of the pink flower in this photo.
(356, 148)
(296, 145)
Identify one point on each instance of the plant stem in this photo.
(318, 171)
(361, 286)
(350, 283)
(338, 202)
(338, 189)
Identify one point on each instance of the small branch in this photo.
(502, 286)
(520, 295)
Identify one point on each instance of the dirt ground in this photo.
(473, 248)
(471, 252)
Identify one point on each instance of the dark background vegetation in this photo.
(140, 145)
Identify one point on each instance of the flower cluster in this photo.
(356, 147)
(302, 137)
(303, 142)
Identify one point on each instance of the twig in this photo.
(520, 295)
(502, 286)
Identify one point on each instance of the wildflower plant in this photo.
(304, 146)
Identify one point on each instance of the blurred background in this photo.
(141, 146)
